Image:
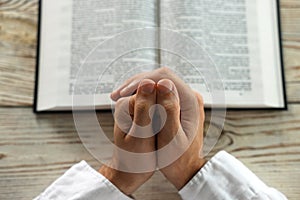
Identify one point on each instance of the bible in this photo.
(242, 38)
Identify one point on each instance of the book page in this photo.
(74, 29)
(270, 53)
(230, 32)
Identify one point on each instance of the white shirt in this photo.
(223, 177)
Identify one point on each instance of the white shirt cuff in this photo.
(82, 182)
(224, 177)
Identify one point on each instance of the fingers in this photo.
(127, 88)
(123, 115)
(187, 96)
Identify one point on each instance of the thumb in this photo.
(167, 97)
(171, 140)
(143, 109)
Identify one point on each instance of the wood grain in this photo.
(18, 25)
(36, 149)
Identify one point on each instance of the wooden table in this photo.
(37, 149)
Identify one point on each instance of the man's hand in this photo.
(132, 139)
(183, 128)
(187, 99)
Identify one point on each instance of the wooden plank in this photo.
(293, 92)
(37, 149)
(18, 25)
(290, 11)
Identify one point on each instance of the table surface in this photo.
(37, 149)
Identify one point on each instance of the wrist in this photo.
(116, 178)
(124, 181)
(180, 175)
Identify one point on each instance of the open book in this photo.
(242, 37)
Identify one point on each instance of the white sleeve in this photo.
(224, 177)
(82, 182)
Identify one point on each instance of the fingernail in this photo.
(165, 87)
(147, 87)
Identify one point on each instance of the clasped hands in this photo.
(181, 133)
